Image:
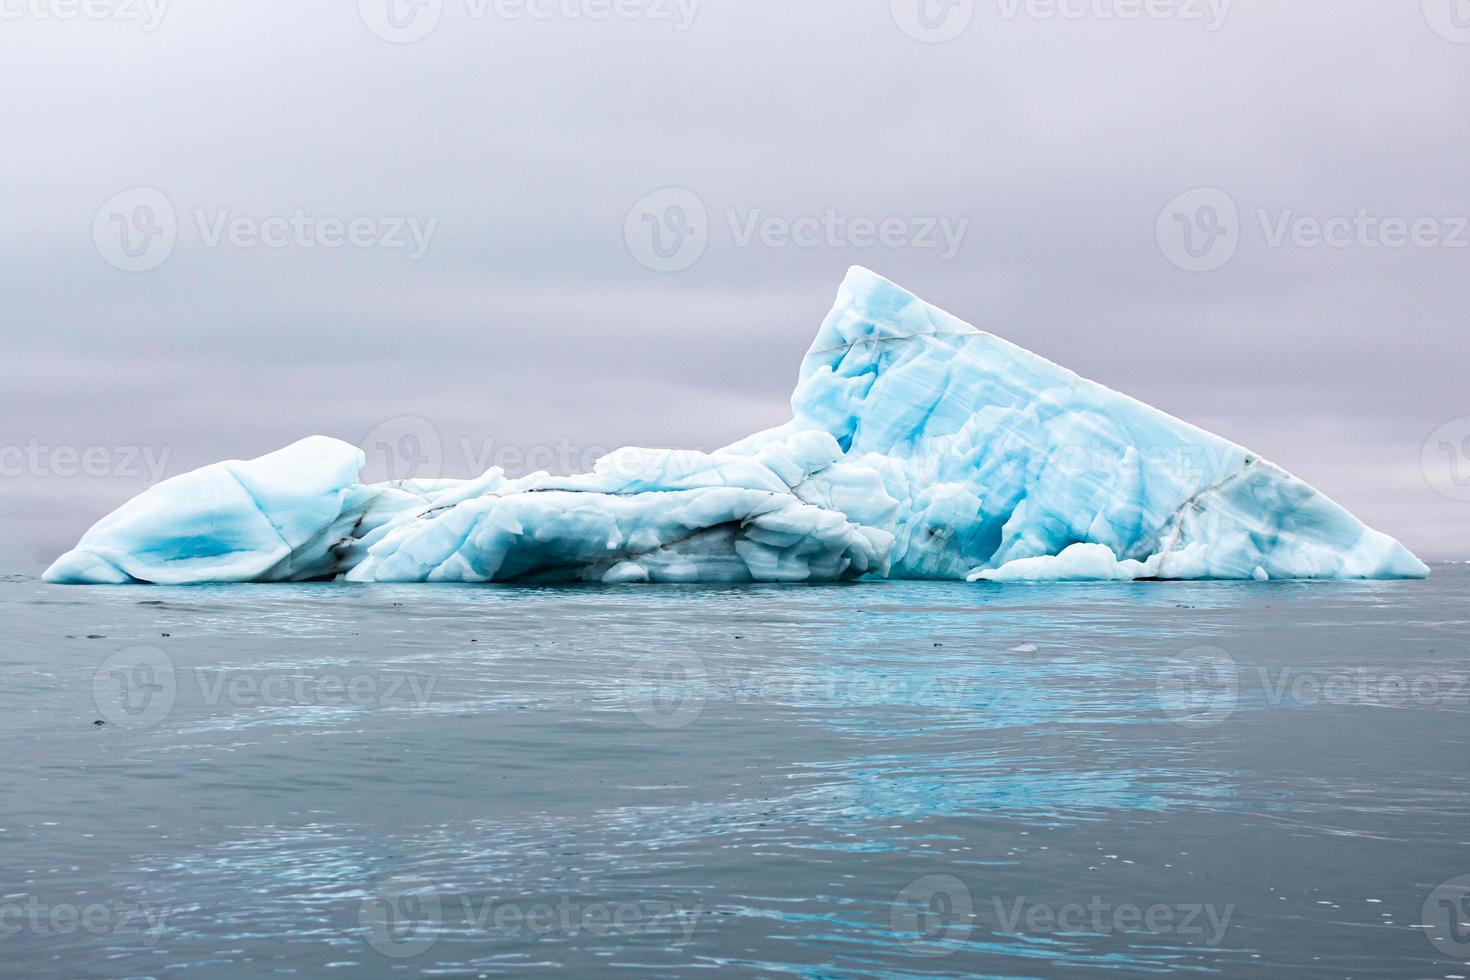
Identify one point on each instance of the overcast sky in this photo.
(233, 224)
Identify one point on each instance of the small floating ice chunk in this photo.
(624, 573)
(1077, 563)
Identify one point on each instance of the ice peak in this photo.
(870, 308)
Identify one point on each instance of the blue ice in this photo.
(919, 447)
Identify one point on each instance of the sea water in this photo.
(870, 780)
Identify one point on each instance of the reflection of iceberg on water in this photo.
(920, 447)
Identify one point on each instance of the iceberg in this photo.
(919, 447)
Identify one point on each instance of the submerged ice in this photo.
(919, 447)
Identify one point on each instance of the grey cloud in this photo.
(529, 323)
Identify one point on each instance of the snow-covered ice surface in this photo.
(919, 448)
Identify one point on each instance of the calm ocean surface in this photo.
(875, 780)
